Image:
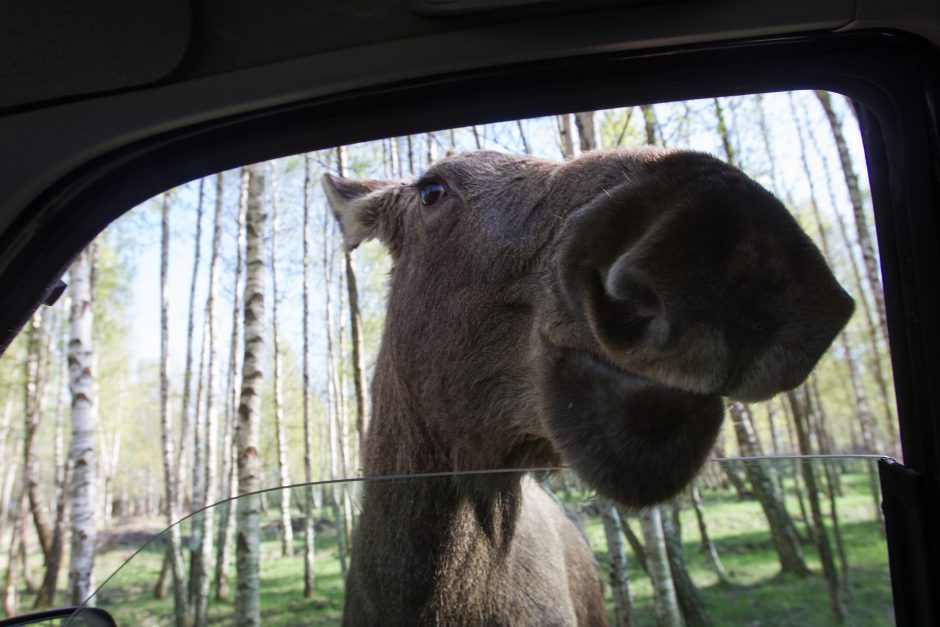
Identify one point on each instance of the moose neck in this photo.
(452, 389)
(427, 541)
(429, 549)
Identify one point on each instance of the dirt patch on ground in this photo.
(130, 536)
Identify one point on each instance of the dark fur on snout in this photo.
(635, 441)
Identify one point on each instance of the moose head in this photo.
(593, 312)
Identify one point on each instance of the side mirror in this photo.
(78, 616)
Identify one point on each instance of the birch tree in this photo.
(801, 406)
(690, 601)
(62, 471)
(248, 517)
(333, 402)
(309, 523)
(287, 531)
(767, 491)
(665, 602)
(229, 453)
(565, 136)
(11, 593)
(33, 401)
(862, 228)
(617, 555)
(82, 386)
(170, 478)
(203, 553)
(355, 322)
(708, 546)
(186, 420)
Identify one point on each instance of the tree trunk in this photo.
(876, 337)
(11, 595)
(229, 467)
(525, 142)
(29, 582)
(411, 154)
(109, 446)
(396, 159)
(197, 500)
(768, 146)
(635, 543)
(432, 148)
(202, 556)
(619, 581)
(801, 405)
(766, 490)
(723, 133)
(287, 530)
(690, 602)
(33, 401)
(668, 613)
(7, 462)
(174, 552)
(476, 138)
(355, 329)
(81, 384)
(878, 370)
(863, 231)
(863, 413)
(708, 547)
(247, 536)
(332, 404)
(565, 136)
(46, 595)
(186, 420)
(309, 523)
(830, 471)
(587, 135)
(650, 125)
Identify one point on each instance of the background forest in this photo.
(217, 340)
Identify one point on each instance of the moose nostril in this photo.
(624, 285)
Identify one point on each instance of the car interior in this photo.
(103, 107)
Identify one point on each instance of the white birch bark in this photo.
(248, 518)
(186, 421)
(565, 136)
(166, 426)
(332, 404)
(203, 554)
(229, 467)
(665, 602)
(309, 525)
(81, 384)
(617, 554)
(287, 531)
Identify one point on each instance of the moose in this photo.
(592, 313)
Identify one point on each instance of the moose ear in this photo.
(354, 205)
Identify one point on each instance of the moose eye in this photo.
(431, 193)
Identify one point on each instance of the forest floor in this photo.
(759, 596)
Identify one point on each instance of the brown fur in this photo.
(591, 313)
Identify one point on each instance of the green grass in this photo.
(760, 595)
